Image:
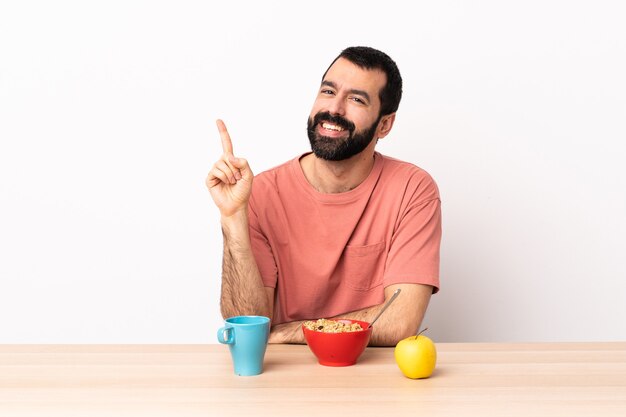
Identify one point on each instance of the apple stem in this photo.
(426, 328)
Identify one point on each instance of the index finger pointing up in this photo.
(227, 145)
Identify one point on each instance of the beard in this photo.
(335, 149)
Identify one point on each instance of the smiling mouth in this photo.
(332, 127)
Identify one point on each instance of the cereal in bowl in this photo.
(332, 326)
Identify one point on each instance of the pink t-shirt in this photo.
(329, 254)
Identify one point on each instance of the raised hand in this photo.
(230, 179)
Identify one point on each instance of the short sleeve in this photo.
(414, 252)
(261, 249)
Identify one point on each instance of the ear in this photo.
(385, 125)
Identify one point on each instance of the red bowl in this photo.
(338, 349)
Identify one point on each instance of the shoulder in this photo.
(275, 181)
(408, 178)
(271, 177)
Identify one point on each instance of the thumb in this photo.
(242, 165)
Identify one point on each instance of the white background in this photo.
(107, 110)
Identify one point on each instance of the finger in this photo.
(227, 145)
(235, 171)
(227, 170)
(217, 176)
(211, 181)
(242, 166)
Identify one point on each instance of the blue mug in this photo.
(246, 336)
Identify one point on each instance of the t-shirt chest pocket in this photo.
(361, 266)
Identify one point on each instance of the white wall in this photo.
(107, 109)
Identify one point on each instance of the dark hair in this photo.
(370, 58)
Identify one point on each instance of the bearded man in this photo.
(336, 231)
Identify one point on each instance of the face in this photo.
(345, 116)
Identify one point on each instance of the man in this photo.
(335, 232)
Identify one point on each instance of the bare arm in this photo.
(243, 292)
(230, 185)
(400, 320)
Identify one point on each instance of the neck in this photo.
(333, 177)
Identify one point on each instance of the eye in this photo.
(327, 92)
(357, 100)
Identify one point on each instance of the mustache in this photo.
(336, 120)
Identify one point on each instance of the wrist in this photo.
(236, 215)
(235, 223)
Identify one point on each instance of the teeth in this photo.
(332, 127)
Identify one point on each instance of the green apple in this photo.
(416, 356)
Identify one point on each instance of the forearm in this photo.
(385, 331)
(403, 317)
(243, 292)
(383, 334)
(287, 333)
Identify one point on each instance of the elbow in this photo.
(404, 331)
(392, 336)
(266, 313)
(230, 311)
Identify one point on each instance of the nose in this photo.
(336, 106)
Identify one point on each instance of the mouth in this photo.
(332, 127)
(331, 130)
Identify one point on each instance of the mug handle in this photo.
(231, 335)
